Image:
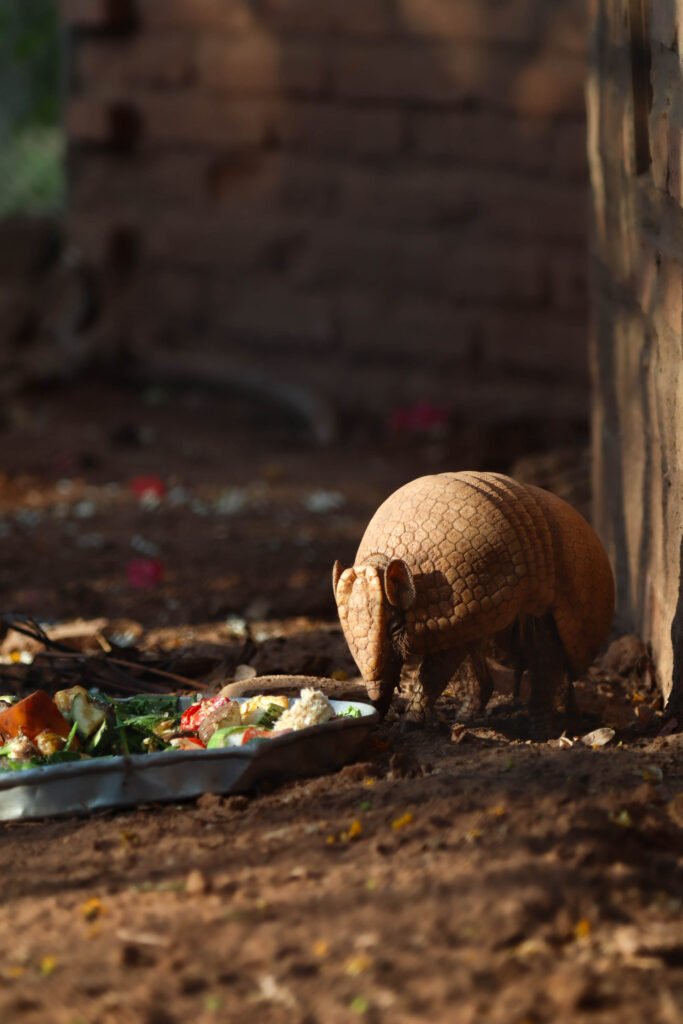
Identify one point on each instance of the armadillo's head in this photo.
(372, 600)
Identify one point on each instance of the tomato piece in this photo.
(34, 714)
(187, 719)
(253, 733)
(192, 718)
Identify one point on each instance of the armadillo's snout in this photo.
(374, 688)
(359, 598)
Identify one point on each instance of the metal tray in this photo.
(78, 787)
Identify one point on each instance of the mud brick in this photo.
(570, 155)
(86, 120)
(97, 235)
(16, 312)
(483, 138)
(164, 179)
(261, 64)
(195, 119)
(352, 17)
(492, 400)
(289, 181)
(422, 263)
(541, 341)
(147, 60)
(28, 246)
(236, 242)
(408, 196)
(381, 327)
(563, 27)
(323, 128)
(509, 21)
(490, 273)
(501, 203)
(179, 293)
(270, 313)
(550, 86)
(569, 281)
(398, 71)
(116, 125)
(98, 13)
(337, 254)
(553, 86)
(219, 15)
(519, 207)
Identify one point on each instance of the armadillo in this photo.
(449, 562)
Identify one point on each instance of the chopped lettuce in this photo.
(351, 713)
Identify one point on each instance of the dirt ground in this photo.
(454, 874)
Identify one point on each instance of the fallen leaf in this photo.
(92, 908)
(498, 811)
(402, 822)
(48, 965)
(621, 818)
(358, 964)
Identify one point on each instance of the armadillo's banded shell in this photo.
(484, 549)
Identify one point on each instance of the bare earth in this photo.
(451, 875)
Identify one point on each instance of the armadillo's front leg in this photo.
(435, 673)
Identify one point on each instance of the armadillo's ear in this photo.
(336, 573)
(399, 585)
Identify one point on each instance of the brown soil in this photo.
(453, 875)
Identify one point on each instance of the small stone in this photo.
(599, 737)
(196, 883)
(243, 672)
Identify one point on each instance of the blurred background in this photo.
(283, 243)
(32, 150)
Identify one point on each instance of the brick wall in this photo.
(382, 199)
(636, 129)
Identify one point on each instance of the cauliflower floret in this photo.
(312, 708)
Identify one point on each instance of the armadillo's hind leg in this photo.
(510, 644)
(434, 675)
(545, 656)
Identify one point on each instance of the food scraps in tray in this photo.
(79, 723)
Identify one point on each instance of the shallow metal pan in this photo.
(78, 787)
